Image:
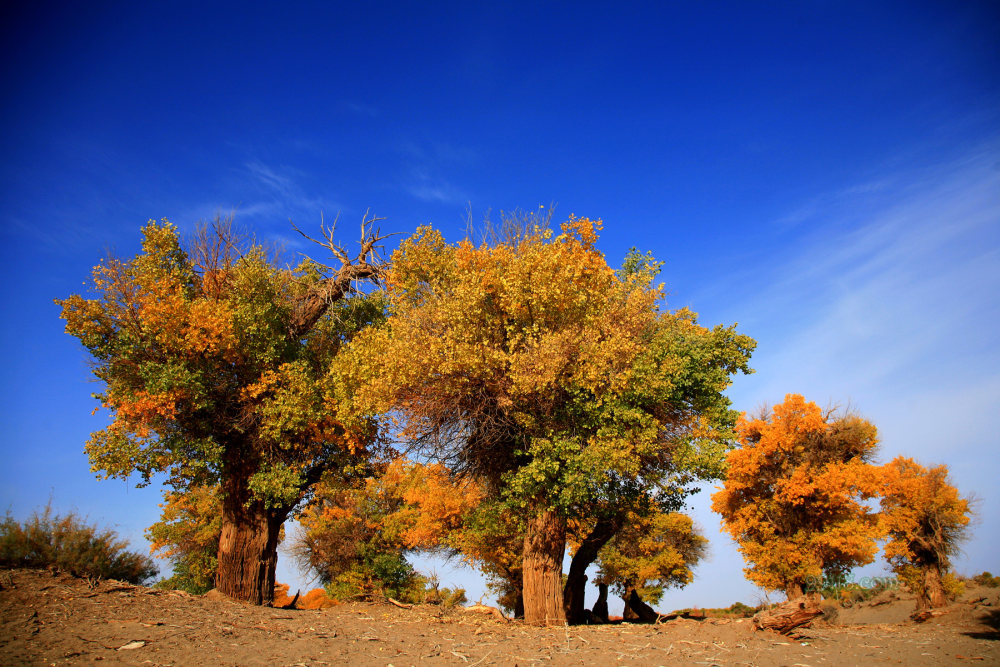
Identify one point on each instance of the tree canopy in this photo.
(924, 519)
(650, 554)
(793, 495)
(555, 380)
(213, 363)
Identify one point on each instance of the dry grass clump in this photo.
(68, 543)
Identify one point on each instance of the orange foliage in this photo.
(792, 495)
(924, 519)
(407, 506)
(314, 599)
(433, 502)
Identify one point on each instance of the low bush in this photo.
(987, 579)
(70, 544)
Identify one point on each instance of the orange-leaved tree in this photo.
(924, 519)
(793, 497)
(214, 363)
(554, 380)
(356, 533)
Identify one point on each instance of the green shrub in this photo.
(69, 544)
(190, 575)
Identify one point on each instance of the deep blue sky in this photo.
(825, 173)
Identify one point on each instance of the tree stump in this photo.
(788, 616)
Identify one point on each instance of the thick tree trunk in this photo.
(933, 595)
(248, 545)
(576, 581)
(794, 591)
(248, 552)
(544, 546)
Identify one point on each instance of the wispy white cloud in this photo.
(430, 164)
(914, 285)
(441, 191)
(268, 196)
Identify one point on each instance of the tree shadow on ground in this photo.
(990, 619)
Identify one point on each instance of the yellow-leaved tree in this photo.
(924, 519)
(559, 383)
(793, 497)
(649, 554)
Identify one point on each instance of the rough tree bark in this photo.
(248, 546)
(248, 555)
(933, 594)
(794, 590)
(576, 581)
(544, 546)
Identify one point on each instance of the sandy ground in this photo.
(54, 619)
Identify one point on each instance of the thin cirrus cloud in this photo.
(913, 288)
(277, 195)
(440, 191)
(428, 161)
(895, 315)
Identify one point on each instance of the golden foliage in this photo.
(924, 520)
(792, 498)
(650, 553)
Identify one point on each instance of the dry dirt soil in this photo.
(54, 619)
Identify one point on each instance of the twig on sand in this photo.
(397, 603)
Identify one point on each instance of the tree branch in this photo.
(366, 265)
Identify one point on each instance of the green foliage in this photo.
(638, 264)
(188, 535)
(375, 573)
(190, 576)
(546, 373)
(216, 353)
(69, 543)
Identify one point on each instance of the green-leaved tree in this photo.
(213, 361)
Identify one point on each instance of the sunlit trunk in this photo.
(248, 545)
(933, 595)
(794, 590)
(544, 546)
(248, 553)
